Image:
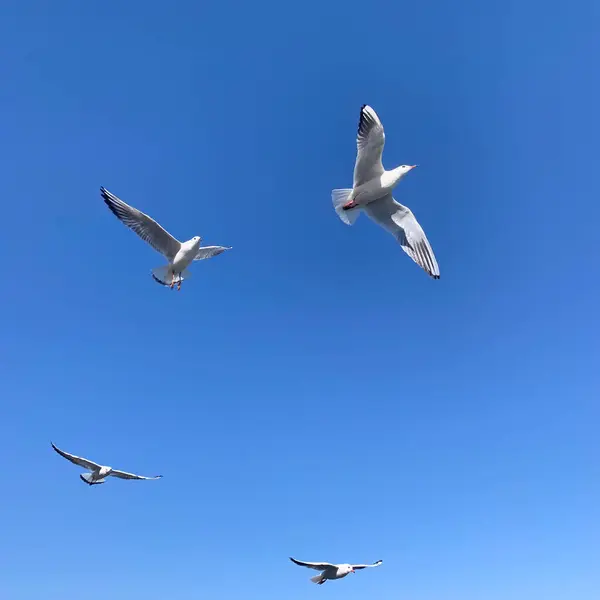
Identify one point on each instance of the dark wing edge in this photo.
(421, 252)
(76, 460)
(315, 566)
(141, 224)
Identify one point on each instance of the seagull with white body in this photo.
(372, 192)
(331, 571)
(179, 254)
(98, 472)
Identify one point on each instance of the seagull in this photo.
(372, 192)
(330, 571)
(180, 255)
(98, 472)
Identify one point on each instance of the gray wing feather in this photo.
(124, 475)
(146, 227)
(401, 223)
(369, 144)
(210, 251)
(77, 460)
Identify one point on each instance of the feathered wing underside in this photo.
(358, 567)
(210, 251)
(125, 475)
(77, 460)
(146, 227)
(369, 144)
(401, 223)
(317, 566)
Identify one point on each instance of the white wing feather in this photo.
(358, 567)
(146, 227)
(77, 460)
(369, 144)
(401, 223)
(124, 475)
(210, 251)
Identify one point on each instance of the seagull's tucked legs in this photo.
(349, 205)
(179, 284)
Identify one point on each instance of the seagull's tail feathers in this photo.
(319, 579)
(339, 198)
(87, 478)
(164, 275)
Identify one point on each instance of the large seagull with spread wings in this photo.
(331, 571)
(179, 254)
(372, 193)
(98, 473)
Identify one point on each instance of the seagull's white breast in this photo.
(374, 189)
(185, 255)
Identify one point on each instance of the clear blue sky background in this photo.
(312, 392)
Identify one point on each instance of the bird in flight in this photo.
(179, 254)
(372, 193)
(331, 571)
(98, 473)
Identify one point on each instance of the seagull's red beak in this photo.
(414, 166)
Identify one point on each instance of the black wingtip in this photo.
(106, 195)
(363, 117)
(159, 282)
(109, 203)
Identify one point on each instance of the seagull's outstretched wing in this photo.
(124, 475)
(311, 565)
(210, 251)
(77, 460)
(369, 142)
(146, 227)
(358, 567)
(401, 223)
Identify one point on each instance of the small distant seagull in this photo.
(180, 255)
(330, 571)
(372, 192)
(98, 472)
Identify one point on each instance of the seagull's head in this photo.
(196, 239)
(399, 172)
(404, 169)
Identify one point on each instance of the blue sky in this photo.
(312, 392)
